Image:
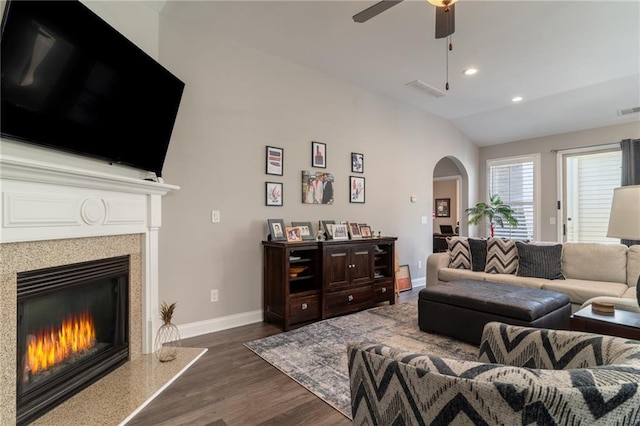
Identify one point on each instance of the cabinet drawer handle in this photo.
(350, 298)
(384, 289)
(304, 306)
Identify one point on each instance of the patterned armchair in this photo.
(523, 376)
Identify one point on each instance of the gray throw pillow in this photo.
(478, 249)
(540, 261)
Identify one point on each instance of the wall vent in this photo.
(629, 111)
(421, 85)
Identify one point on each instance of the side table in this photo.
(623, 323)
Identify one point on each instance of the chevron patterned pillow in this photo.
(502, 256)
(459, 253)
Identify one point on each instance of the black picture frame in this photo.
(443, 207)
(357, 162)
(274, 161)
(273, 193)
(319, 155)
(356, 189)
(276, 230)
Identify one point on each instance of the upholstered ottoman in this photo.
(461, 309)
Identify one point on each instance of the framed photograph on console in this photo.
(306, 230)
(403, 278)
(276, 230)
(327, 226)
(294, 235)
(340, 231)
(354, 230)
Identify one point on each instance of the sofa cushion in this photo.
(595, 262)
(502, 256)
(516, 280)
(581, 290)
(478, 249)
(633, 265)
(540, 261)
(451, 274)
(460, 255)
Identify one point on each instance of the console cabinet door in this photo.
(337, 267)
(361, 266)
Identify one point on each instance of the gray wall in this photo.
(548, 167)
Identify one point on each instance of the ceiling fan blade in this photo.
(445, 21)
(374, 10)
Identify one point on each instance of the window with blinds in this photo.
(590, 180)
(514, 180)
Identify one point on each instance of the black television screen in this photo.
(72, 82)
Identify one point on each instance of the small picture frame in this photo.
(273, 193)
(306, 230)
(356, 189)
(354, 231)
(443, 207)
(365, 231)
(294, 234)
(340, 231)
(274, 161)
(327, 227)
(403, 279)
(357, 162)
(319, 155)
(276, 230)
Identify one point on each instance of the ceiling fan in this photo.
(445, 14)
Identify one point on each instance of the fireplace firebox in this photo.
(72, 330)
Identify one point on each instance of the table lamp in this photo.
(624, 220)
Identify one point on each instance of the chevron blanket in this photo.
(523, 376)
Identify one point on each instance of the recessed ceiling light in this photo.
(470, 71)
(516, 99)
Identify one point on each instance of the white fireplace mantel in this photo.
(44, 201)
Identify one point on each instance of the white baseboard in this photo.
(218, 324)
(224, 323)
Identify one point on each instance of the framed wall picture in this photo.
(403, 279)
(276, 229)
(442, 207)
(354, 231)
(274, 160)
(294, 235)
(273, 193)
(340, 231)
(357, 162)
(317, 187)
(365, 231)
(318, 155)
(356, 189)
(306, 230)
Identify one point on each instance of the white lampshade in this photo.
(624, 220)
(442, 3)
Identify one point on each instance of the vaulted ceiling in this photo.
(576, 64)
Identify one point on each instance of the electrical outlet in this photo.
(419, 264)
(214, 296)
(215, 216)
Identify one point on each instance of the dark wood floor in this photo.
(230, 385)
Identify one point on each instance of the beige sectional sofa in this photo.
(590, 269)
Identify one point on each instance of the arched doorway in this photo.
(450, 187)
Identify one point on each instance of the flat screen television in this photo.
(72, 82)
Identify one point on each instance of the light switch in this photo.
(215, 216)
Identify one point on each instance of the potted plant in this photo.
(496, 213)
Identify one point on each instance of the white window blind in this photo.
(591, 179)
(514, 180)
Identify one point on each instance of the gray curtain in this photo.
(630, 168)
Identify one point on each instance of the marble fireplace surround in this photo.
(54, 215)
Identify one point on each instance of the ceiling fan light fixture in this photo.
(442, 3)
(516, 99)
(470, 71)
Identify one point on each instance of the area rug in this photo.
(316, 355)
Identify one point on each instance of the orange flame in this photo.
(50, 347)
